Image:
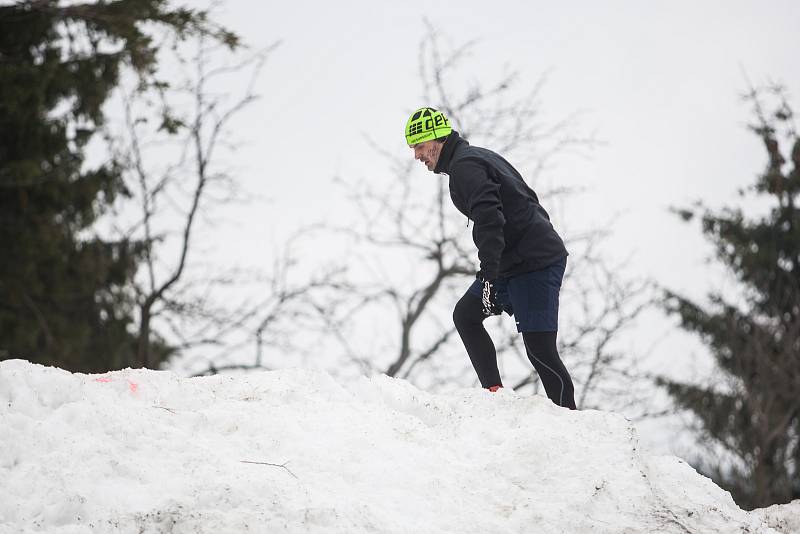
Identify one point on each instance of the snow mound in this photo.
(781, 517)
(294, 451)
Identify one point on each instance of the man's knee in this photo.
(541, 344)
(468, 312)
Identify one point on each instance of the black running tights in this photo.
(540, 346)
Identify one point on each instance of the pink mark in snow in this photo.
(132, 386)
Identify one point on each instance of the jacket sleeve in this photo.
(482, 196)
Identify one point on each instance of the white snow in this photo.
(148, 451)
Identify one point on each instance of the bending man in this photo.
(522, 258)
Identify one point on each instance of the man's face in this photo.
(428, 153)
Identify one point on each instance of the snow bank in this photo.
(146, 451)
(781, 517)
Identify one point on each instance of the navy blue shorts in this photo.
(531, 298)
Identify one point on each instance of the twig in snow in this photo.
(283, 465)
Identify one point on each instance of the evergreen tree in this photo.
(751, 416)
(63, 290)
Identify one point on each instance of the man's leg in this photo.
(468, 318)
(543, 354)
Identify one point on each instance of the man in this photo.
(522, 258)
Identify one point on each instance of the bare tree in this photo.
(408, 222)
(193, 118)
(278, 319)
(190, 177)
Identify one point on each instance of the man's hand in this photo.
(488, 296)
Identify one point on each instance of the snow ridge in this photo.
(294, 451)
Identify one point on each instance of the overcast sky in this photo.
(659, 82)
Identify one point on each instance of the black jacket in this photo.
(511, 229)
